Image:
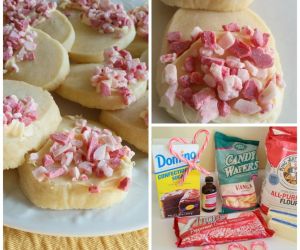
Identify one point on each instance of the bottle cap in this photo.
(209, 179)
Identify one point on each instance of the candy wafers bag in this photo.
(237, 168)
(279, 190)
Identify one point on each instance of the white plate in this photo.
(130, 215)
(283, 29)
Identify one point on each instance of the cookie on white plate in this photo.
(115, 84)
(41, 14)
(36, 58)
(98, 26)
(131, 123)
(30, 115)
(82, 166)
(220, 67)
(215, 5)
(140, 43)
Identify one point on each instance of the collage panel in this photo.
(75, 124)
(224, 188)
(224, 61)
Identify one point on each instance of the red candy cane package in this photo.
(279, 190)
(219, 229)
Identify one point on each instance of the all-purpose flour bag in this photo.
(237, 167)
(279, 190)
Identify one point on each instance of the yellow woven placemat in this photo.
(16, 239)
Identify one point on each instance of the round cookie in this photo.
(50, 66)
(77, 88)
(212, 21)
(35, 134)
(59, 28)
(215, 5)
(63, 191)
(130, 123)
(89, 44)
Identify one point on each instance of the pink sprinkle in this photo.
(247, 107)
(261, 58)
(240, 49)
(209, 39)
(124, 184)
(23, 110)
(250, 90)
(55, 173)
(184, 81)
(48, 161)
(224, 108)
(196, 33)
(226, 40)
(196, 78)
(190, 64)
(94, 189)
(232, 27)
(174, 36)
(179, 47)
(209, 60)
(168, 58)
(260, 39)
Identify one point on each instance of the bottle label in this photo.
(209, 201)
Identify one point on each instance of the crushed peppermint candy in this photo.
(139, 16)
(22, 110)
(119, 72)
(106, 17)
(80, 153)
(18, 45)
(144, 116)
(231, 71)
(33, 11)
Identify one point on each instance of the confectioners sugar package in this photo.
(237, 167)
(219, 229)
(175, 199)
(177, 174)
(279, 190)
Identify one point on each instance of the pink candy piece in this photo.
(139, 16)
(55, 173)
(94, 189)
(119, 71)
(184, 81)
(168, 58)
(261, 58)
(47, 161)
(124, 184)
(232, 27)
(226, 40)
(260, 39)
(23, 110)
(250, 90)
(209, 60)
(179, 47)
(174, 36)
(229, 88)
(224, 108)
(240, 49)
(107, 18)
(247, 107)
(208, 39)
(190, 64)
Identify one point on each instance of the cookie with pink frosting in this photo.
(81, 166)
(220, 67)
(214, 5)
(30, 115)
(115, 84)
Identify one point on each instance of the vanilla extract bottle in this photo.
(209, 195)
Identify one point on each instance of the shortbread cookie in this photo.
(140, 43)
(215, 5)
(30, 115)
(42, 61)
(98, 27)
(220, 67)
(82, 166)
(131, 123)
(59, 28)
(41, 14)
(115, 84)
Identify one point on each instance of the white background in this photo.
(279, 15)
